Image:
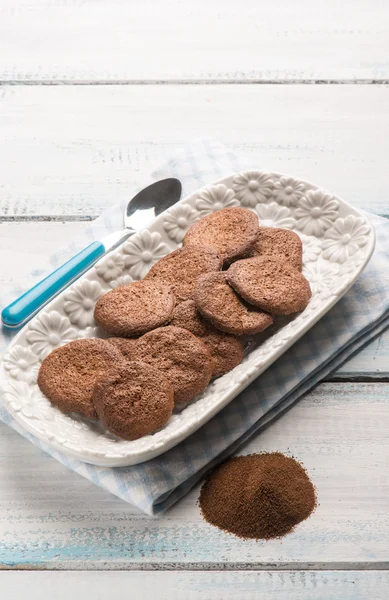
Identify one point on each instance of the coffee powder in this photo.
(260, 496)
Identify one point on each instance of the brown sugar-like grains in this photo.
(68, 374)
(258, 496)
(181, 269)
(182, 357)
(218, 302)
(125, 345)
(231, 232)
(280, 243)
(135, 308)
(133, 400)
(270, 284)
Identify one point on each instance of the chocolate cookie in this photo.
(270, 284)
(183, 358)
(230, 232)
(134, 400)
(125, 345)
(68, 374)
(187, 316)
(279, 243)
(135, 308)
(226, 350)
(181, 269)
(218, 303)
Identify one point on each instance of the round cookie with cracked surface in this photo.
(279, 243)
(135, 308)
(270, 284)
(218, 302)
(182, 357)
(226, 350)
(187, 316)
(125, 345)
(133, 400)
(181, 269)
(68, 374)
(230, 232)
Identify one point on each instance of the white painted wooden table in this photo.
(95, 92)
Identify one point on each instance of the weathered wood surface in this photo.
(69, 151)
(146, 40)
(52, 519)
(198, 585)
(75, 150)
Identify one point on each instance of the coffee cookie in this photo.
(187, 316)
(67, 375)
(226, 350)
(135, 308)
(279, 243)
(230, 232)
(183, 358)
(125, 345)
(219, 303)
(270, 284)
(134, 400)
(181, 269)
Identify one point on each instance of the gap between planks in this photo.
(208, 81)
(206, 566)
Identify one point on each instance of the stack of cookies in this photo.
(181, 326)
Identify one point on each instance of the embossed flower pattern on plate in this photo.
(79, 302)
(48, 331)
(122, 280)
(22, 364)
(143, 252)
(178, 220)
(111, 267)
(311, 248)
(253, 187)
(29, 401)
(288, 191)
(321, 275)
(345, 238)
(316, 212)
(273, 215)
(215, 198)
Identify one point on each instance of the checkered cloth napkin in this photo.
(359, 316)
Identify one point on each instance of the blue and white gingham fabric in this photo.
(361, 314)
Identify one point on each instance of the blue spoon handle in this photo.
(22, 309)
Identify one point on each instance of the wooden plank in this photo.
(25, 244)
(53, 519)
(371, 363)
(85, 40)
(26, 247)
(76, 150)
(199, 585)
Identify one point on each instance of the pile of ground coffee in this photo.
(260, 496)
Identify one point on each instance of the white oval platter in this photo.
(338, 241)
